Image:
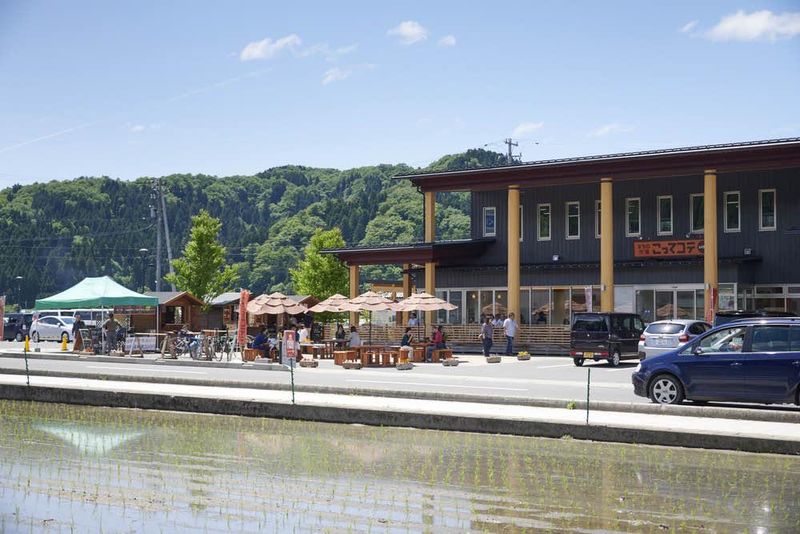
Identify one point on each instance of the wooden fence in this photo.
(530, 337)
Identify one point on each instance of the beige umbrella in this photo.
(371, 301)
(335, 304)
(424, 302)
(274, 304)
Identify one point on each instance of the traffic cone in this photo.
(27, 346)
(64, 344)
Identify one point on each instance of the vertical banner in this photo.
(587, 293)
(241, 329)
(711, 304)
(2, 317)
(289, 343)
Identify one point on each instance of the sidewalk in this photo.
(525, 420)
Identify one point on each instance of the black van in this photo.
(605, 336)
(16, 326)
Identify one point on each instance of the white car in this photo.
(52, 327)
(663, 336)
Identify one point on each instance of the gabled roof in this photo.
(173, 298)
(224, 299)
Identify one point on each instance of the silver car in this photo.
(663, 336)
(52, 328)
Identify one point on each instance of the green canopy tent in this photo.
(100, 292)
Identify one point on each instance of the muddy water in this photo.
(80, 469)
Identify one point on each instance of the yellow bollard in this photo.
(27, 347)
(63, 343)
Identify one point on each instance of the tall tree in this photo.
(321, 275)
(202, 271)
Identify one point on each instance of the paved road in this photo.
(545, 377)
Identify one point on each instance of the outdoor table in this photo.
(420, 350)
(363, 354)
(333, 345)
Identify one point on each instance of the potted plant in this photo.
(523, 355)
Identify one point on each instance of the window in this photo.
(597, 219)
(723, 340)
(543, 222)
(770, 339)
(732, 211)
(573, 220)
(696, 213)
(665, 215)
(489, 222)
(633, 217)
(767, 216)
(521, 219)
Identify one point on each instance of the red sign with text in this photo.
(666, 249)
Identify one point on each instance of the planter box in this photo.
(450, 362)
(523, 357)
(404, 366)
(309, 363)
(493, 359)
(352, 365)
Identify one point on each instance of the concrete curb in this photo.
(146, 361)
(775, 415)
(376, 417)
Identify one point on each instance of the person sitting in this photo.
(303, 335)
(355, 339)
(260, 342)
(339, 336)
(408, 338)
(413, 321)
(437, 340)
(273, 345)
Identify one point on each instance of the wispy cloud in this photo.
(335, 74)
(526, 128)
(609, 129)
(326, 51)
(45, 137)
(409, 32)
(447, 40)
(267, 48)
(756, 26)
(139, 128)
(689, 26)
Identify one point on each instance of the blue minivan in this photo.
(747, 360)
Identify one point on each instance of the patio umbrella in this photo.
(424, 302)
(274, 304)
(335, 304)
(371, 301)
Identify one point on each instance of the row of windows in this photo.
(732, 216)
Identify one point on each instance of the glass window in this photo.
(561, 311)
(441, 315)
(473, 308)
(665, 215)
(633, 217)
(770, 339)
(794, 338)
(487, 304)
(590, 323)
(543, 222)
(724, 340)
(501, 303)
(573, 220)
(540, 306)
(664, 328)
(489, 222)
(645, 303)
(686, 304)
(597, 220)
(767, 216)
(623, 299)
(524, 306)
(732, 211)
(454, 298)
(696, 213)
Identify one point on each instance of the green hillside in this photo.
(56, 233)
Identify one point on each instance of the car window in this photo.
(723, 340)
(590, 323)
(68, 320)
(638, 324)
(48, 320)
(664, 328)
(696, 329)
(794, 339)
(770, 339)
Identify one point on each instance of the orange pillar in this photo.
(710, 258)
(606, 245)
(353, 292)
(430, 237)
(513, 250)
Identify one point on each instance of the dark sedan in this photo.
(754, 360)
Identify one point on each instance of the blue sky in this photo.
(129, 89)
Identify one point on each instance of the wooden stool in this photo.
(442, 354)
(339, 356)
(419, 354)
(404, 355)
(250, 355)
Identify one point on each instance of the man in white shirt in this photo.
(303, 335)
(510, 330)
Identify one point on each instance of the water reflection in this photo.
(149, 471)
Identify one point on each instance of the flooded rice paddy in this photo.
(82, 469)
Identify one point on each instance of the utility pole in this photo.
(157, 200)
(510, 142)
(166, 233)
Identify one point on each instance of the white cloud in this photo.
(267, 48)
(335, 74)
(756, 26)
(409, 32)
(526, 128)
(447, 40)
(609, 129)
(689, 26)
(324, 49)
(139, 128)
(136, 128)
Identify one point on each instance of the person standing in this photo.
(76, 333)
(110, 328)
(487, 331)
(510, 330)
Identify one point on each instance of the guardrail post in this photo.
(588, 387)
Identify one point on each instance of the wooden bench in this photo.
(441, 354)
(341, 356)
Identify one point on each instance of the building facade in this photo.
(544, 246)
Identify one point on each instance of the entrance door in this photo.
(665, 305)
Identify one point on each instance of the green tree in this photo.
(321, 275)
(202, 271)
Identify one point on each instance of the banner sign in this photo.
(665, 249)
(145, 343)
(289, 343)
(134, 310)
(587, 294)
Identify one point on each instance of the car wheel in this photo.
(578, 361)
(35, 337)
(614, 360)
(665, 389)
(64, 337)
(19, 337)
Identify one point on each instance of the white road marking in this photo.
(432, 384)
(554, 366)
(148, 370)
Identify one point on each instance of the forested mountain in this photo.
(56, 233)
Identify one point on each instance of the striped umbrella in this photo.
(423, 302)
(274, 304)
(371, 301)
(335, 304)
